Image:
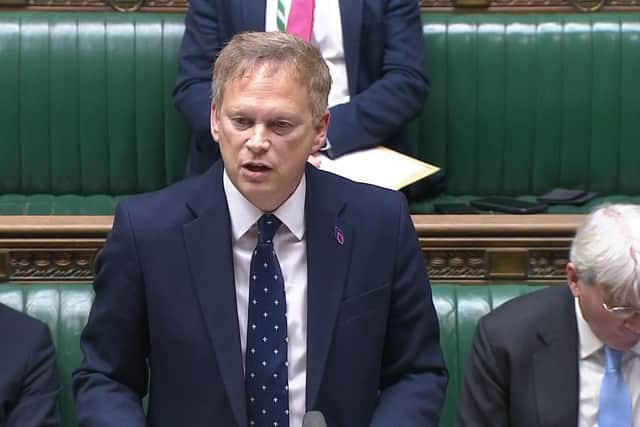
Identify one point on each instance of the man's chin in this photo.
(625, 343)
(261, 195)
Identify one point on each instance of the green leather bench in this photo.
(520, 103)
(65, 307)
(87, 114)
(524, 103)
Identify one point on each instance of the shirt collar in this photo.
(589, 342)
(244, 214)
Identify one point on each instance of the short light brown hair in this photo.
(250, 51)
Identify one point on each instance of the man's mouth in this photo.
(255, 171)
(256, 167)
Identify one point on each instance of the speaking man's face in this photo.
(266, 132)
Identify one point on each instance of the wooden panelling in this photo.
(461, 248)
(51, 248)
(479, 248)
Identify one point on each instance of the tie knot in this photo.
(613, 358)
(267, 226)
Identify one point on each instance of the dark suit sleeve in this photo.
(112, 379)
(414, 377)
(385, 106)
(483, 401)
(201, 43)
(37, 405)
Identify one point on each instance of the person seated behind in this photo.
(540, 359)
(374, 49)
(330, 312)
(29, 383)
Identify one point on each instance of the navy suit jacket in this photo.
(29, 383)
(165, 295)
(383, 48)
(523, 367)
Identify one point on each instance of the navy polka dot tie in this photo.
(266, 378)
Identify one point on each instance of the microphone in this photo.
(314, 419)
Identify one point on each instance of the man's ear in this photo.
(215, 122)
(572, 279)
(321, 128)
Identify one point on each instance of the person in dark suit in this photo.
(338, 297)
(539, 359)
(374, 49)
(29, 384)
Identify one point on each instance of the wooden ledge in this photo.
(460, 248)
(61, 226)
(496, 225)
(426, 225)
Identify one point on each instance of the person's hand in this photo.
(315, 161)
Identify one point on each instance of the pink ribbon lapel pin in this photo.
(339, 236)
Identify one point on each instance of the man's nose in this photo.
(259, 139)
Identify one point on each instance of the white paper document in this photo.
(380, 166)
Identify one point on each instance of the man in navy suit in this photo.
(374, 49)
(175, 283)
(29, 383)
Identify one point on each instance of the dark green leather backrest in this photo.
(65, 308)
(522, 103)
(86, 102)
(459, 308)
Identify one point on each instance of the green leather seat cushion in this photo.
(48, 204)
(427, 206)
(102, 204)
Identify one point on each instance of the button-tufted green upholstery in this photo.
(523, 103)
(520, 103)
(459, 308)
(86, 109)
(65, 307)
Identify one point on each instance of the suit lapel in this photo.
(208, 242)
(351, 17)
(555, 366)
(329, 243)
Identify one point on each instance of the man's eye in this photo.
(241, 122)
(281, 126)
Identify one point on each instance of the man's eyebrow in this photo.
(236, 109)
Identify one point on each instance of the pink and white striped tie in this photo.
(300, 22)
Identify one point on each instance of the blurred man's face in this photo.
(619, 333)
(266, 132)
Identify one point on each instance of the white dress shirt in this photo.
(291, 249)
(326, 36)
(591, 371)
